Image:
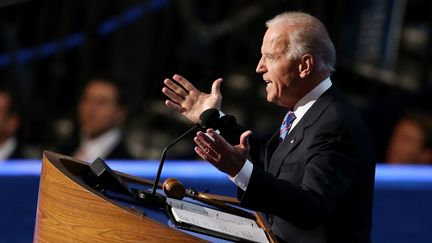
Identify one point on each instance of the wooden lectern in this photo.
(69, 210)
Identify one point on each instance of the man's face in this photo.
(406, 144)
(279, 72)
(98, 109)
(8, 122)
(4, 109)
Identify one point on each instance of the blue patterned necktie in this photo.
(286, 124)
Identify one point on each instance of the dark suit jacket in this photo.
(120, 151)
(17, 153)
(317, 185)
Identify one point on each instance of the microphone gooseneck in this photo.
(163, 156)
(208, 119)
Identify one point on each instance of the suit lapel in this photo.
(277, 157)
(271, 146)
(284, 148)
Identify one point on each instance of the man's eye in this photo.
(268, 57)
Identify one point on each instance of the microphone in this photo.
(208, 119)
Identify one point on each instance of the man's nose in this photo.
(260, 67)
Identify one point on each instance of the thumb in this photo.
(216, 87)
(244, 143)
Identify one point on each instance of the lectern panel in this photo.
(70, 211)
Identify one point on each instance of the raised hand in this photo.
(188, 100)
(216, 150)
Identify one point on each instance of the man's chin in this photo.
(271, 99)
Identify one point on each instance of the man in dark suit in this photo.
(9, 123)
(316, 181)
(102, 109)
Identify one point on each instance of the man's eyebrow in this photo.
(272, 53)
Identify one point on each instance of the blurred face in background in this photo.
(99, 109)
(407, 145)
(8, 122)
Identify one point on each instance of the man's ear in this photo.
(306, 65)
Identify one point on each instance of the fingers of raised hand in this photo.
(184, 82)
(214, 136)
(244, 142)
(207, 148)
(202, 154)
(174, 88)
(204, 142)
(174, 106)
(207, 154)
(216, 86)
(172, 96)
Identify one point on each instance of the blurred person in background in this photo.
(102, 110)
(411, 141)
(9, 123)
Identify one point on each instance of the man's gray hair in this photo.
(309, 35)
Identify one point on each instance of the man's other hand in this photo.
(215, 149)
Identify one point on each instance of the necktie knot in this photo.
(286, 124)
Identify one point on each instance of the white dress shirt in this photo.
(7, 149)
(300, 109)
(100, 146)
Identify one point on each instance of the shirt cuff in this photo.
(243, 177)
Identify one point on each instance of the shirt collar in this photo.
(7, 148)
(303, 105)
(100, 146)
(111, 134)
